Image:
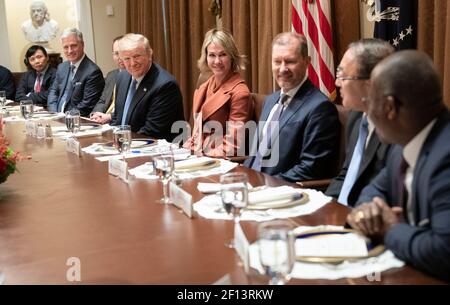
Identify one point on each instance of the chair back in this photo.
(17, 76)
(258, 102)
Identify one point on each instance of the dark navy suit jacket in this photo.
(7, 83)
(425, 243)
(107, 94)
(156, 105)
(26, 86)
(373, 161)
(308, 138)
(87, 85)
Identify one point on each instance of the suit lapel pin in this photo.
(145, 89)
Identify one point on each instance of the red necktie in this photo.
(37, 87)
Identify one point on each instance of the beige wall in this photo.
(17, 12)
(106, 28)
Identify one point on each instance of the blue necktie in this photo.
(355, 163)
(131, 92)
(68, 90)
(264, 145)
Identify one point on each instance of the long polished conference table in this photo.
(60, 206)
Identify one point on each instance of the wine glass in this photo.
(234, 194)
(122, 139)
(73, 121)
(164, 167)
(276, 250)
(26, 109)
(2, 100)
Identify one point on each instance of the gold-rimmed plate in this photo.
(372, 249)
(280, 204)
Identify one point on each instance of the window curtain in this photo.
(254, 24)
(433, 37)
(175, 29)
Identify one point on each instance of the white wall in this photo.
(89, 16)
(106, 28)
(5, 59)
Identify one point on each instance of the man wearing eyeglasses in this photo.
(366, 155)
(148, 97)
(407, 205)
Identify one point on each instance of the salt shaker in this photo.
(40, 131)
(48, 131)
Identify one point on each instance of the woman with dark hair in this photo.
(35, 84)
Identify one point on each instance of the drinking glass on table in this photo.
(26, 109)
(234, 194)
(2, 99)
(276, 243)
(122, 139)
(73, 120)
(164, 167)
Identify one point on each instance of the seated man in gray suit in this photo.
(148, 97)
(365, 154)
(407, 205)
(79, 81)
(107, 101)
(305, 144)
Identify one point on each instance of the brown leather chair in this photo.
(17, 76)
(258, 102)
(203, 77)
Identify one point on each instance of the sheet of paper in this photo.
(332, 245)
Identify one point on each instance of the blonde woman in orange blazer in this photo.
(222, 104)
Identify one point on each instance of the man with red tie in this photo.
(36, 82)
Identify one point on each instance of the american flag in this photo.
(312, 18)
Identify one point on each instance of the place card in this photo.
(241, 245)
(73, 146)
(181, 199)
(118, 168)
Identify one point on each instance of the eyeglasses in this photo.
(339, 76)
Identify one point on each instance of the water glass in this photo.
(164, 167)
(234, 195)
(2, 99)
(26, 109)
(73, 120)
(122, 139)
(276, 243)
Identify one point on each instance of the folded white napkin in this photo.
(209, 188)
(281, 193)
(194, 163)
